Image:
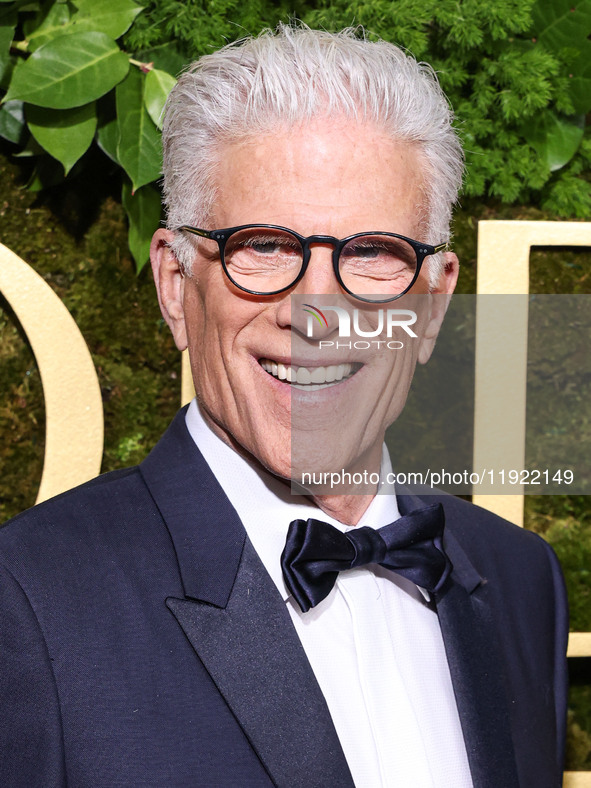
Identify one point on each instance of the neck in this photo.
(347, 509)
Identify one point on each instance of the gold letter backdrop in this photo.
(73, 405)
(499, 419)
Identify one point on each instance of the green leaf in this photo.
(64, 134)
(8, 16)
(158, 86)
(580, 81)
(47, 173)
(108, 139)
(165, 57)
(12, 122)
(555, 138)
(69, 71)
(32, 150)
(143, 212)
(51, 22)
(6, 37)
(113, 17)
(561, 23)
(139, 150)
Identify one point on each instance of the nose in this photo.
(319, 280)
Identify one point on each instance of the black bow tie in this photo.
(315, 552)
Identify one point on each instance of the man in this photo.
(156, 632)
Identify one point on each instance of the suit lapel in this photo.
(237, 622)
(475, 668)
(475, 665)
(256, 660)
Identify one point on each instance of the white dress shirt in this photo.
(374, 643)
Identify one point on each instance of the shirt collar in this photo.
(266, 505)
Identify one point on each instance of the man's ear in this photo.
(170, 285)
(439, 301)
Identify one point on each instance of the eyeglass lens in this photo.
(266, 260)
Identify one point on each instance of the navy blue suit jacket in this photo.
(143, 644)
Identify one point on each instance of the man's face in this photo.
(329, 178)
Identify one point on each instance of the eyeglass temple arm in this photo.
(195, 231)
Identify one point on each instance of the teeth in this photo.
(310, 377)
(303, 376)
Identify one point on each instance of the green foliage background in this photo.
(80, 74)
(79, 168)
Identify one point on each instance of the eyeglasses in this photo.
(265, 259)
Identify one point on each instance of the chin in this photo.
(271, 450)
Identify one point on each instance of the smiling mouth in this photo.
(310, 378)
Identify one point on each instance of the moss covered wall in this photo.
(89, 267)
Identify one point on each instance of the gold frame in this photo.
(504, 427)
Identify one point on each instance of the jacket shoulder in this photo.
(105, 488)
(483, 530)
(501, 552)
(77, 528)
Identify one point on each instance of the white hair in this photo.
(286, 78)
